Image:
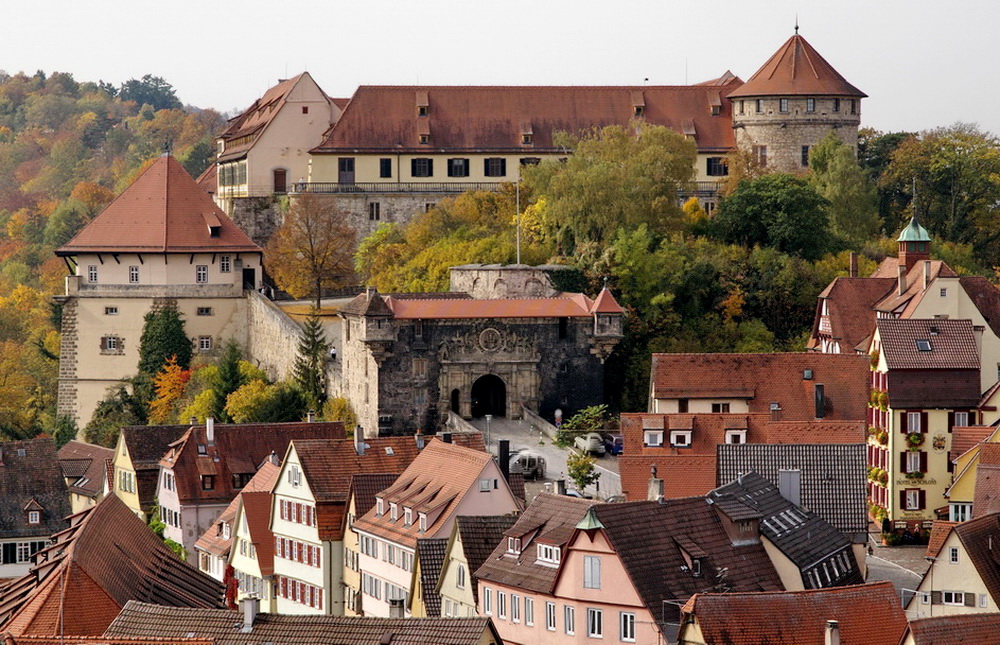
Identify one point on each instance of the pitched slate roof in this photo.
(162, 211)
(86, 465)
(430, 555)
(851, 309)
(868, 613)
(833, 476)
(764, 379)
(142, 619)
(480, 536)
(978, 536)
(435, 483)
(29, 471)
(106, 558)
(797, 69)
(971, 628)
(493, 119)
(213, 540)
(548, 519)
(237, 449)
(952, 343)
(801, 535)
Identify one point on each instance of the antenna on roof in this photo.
(796, 23)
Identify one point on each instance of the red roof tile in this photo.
(978, 536)
(162, 211)
(490, 119)
(952, 344)
(851, 306)
(940, 530)
(986, 296)
(868, 613)
(965, 438)
(213, 540)
(257, 508)
(606, 303)
(87, 465)
(566, 306)
(797, 69)
(977, 627)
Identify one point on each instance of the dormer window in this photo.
(680, 438)
(696, 567)
(34, 517)
(736, 436)
(423, 522)
(422, 110)
(653, 438)
(638, 110)
(379, 506)
(407, 516)
(225, 530)
(393, 512)
(425, 138)
(514, 546)
(202, 449)
(548, 554)
(527, 139)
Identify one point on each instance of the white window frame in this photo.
(550, 616)
(133, 275)
(953, 555)
(736, 436)
(487, 601)
(92, 274)
(529, 611)
(460, 576)
(652, 438)
(626, 626)
(953, 595)
(548, 554)
(225, 264)
(204, 343)
(913, 422)
(515, 608)
(912, 462)
(34, 517)
(111, 311)
(514, 545)
(912, 499)
(591, 572)
(595, 622)
(680, 438)
(501, 605)
(965, 418)
(569, 619)
(983, 601)
(201, 273)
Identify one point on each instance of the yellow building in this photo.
(136, 464)
(471, 542)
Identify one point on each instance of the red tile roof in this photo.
(965, 438)
(102, 640)
(213, 540)
(906, 303)
(977, 627)
(978, 536)
(106, 558)
(851, 306)
(565, 306)
(797, 69)
(952, 344)
(492, 119)
(940, 530)
(986, 498)
(208, 179)
(868, 613)
(257, 508)
(86, 465)
(986, 296)
(162, 211)
(768, 378)
(606, 303)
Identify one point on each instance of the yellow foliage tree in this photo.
(169, 385)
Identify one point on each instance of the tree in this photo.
(227, 380)
(581, 468)
(150, 90)
(310, 364)
(169, 385)
(313, 248)
(339, 409)
(617, 178)
(776, 210)
(258, 402)
(124, 405)
(163, 336)
(837, 176)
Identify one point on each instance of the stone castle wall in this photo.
(66, 395)
(489, 281)
(273, 337)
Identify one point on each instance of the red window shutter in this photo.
(298, 513)
(922, 498)
(902, 499)
(309, 515)
(284, 587)
(300, 551)
(923, 461)
(923, 422)
(904, 418)
(319, 562)
(319, 604)
(281, 504)
(902, 462)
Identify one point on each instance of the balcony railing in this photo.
(394, 187)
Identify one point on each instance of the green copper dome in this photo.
(589, 521)
(914, 232)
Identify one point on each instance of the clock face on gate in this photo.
(490, 340)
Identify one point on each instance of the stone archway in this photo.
(489, 396)
(456, 401)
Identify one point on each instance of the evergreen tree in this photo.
(229, 379)
(310, 364)
(163, 336)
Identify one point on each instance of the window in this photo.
(458, 167)
(696, 562)
(201, 273)
(204, 343)
(420, 368)
(529, 612)
(111, 311)
(720, 408)
(913, 499)
(112, 345)
(92, 273)
(925, 598)
(204, 311)
(760, 155)
(225, 263)
(810, 105)
(961, 418)
(959, 512)
(407, 516)
(460, 577)
(423, 522)
(208, 482)
(530, 161)
(853, 105)
(550, 616)
(385, 168)
(501, 604)
(515, 608)
(595, 623)
(393, 514)
(548, 554)
(513, 545)
(983, 601)
(487, 601)
(485, 485)
(527, 139)
(760, 106)
(133, 275)
(422, 110)
(569, 619)
(913, 422)
(495, 167)
(736, 436)
(374, 211)
(913, 462)
(716, 167)
(627, 630)
(379, 506)
(783, 105)
(591, 572)
(924, 345)
(956, 598)
(836, 105)
(422, 167)
(34, 517)
(680, 438)
(653, 438)
(805, 156)
(953, 555)
(425, 138)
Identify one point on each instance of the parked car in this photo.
(590, 442)
(529, 464)
(614, 443)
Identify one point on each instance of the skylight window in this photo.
(923, 345)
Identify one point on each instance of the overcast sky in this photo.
(923, 64)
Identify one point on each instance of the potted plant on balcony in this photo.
(883, 401)
(883, 437)
(914, 440)
(874, 359)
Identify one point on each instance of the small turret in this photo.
(914, 244)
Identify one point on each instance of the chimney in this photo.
(311, 416)
(210, 431)
(359, 440)
(927, 273)
(560, 487)
(832, 635)
(419, 438)
(446, 437)
(193, 420)
(251, 607)
(977, 331)
(820, 400)
(396, 608)
(902, 278)
(655, 492)
(504, 457)
(852, 271)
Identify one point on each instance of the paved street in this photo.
(521, 436)
(903, 566)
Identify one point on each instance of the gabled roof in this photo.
(257, 508)
(605, 303)
(213, 540)
(30, 471)
(965, 438)
(549, 519)
(107, 557)
(977, 627)
(162, 211)
(986, 498)
(430, 557)
(480, 536)
(801, 535)
(940, 530)
(142, 619)
(101, 640)
(365, 486)
(237, 449)
(764, 379)
(867, 613)
(986, 296)
(951, 344)
(493, 119)
(832, 476)
(978, 536)
(851, 308)
(904, 304)
(797, 69)
(86, 465)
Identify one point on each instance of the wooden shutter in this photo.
(922, 499)
(902, 462)
(970, 599)
(923, 461)
(104, 343)
(503, 167)
(935, 597)
(951, 420)
(903, 420)
(902, 499)
(430, 167)
(923, 422)
(300, 551)
(9, 553)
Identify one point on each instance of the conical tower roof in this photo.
(162, 211)
(797, 69)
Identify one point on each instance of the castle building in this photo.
(407, 358)
(161, 242)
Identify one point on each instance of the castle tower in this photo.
(914, 244)
(791, 103)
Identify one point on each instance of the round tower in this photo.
(790, 104)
